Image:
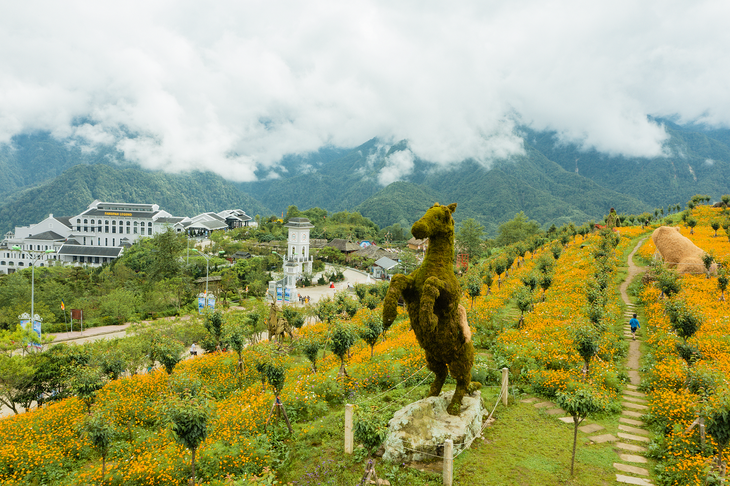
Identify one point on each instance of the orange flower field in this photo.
(680, 393)
(45, 445)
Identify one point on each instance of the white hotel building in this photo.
(101, 233)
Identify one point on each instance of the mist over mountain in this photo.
(553, 182)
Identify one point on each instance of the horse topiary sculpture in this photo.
(432, 296)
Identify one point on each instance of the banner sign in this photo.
(201, 304)
(211, 302)
(287, 295)
(36, 328)
(278, 293)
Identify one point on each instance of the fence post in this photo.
(348, 429)
(448, 462)
(505, 386)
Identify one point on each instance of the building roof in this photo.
(47, 235)
(214, 278)
(386, 263)
(241, 254)
(299, 223)
(208, 225)
(65, 220)
(171, 220)
(417, 242)
(94, 251)
(235, 214)
(94, 212)
(372, 251)
(343, 245)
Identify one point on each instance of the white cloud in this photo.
(233, 86)
(397, 166)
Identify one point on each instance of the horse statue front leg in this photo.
(398, 284)
(432, 288)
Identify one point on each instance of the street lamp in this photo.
(207, 262)
(34, 256)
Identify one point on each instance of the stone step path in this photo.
(631, 429)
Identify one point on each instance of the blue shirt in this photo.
(634, 323)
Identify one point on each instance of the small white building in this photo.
(298, 260)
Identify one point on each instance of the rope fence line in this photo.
(393, 387)
(448, 455)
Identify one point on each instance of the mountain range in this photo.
(552, 182)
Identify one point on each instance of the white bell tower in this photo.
(298, 244)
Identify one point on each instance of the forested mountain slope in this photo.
(71, 192)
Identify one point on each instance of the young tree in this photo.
(556, 250)
(530, 281)
(523, 300)
(546, 280)
(341, 339)
(683, 320)
(473, 287)
(189, 418)
(470, 238)
(16, 378)
(214, 324)
(579, 401)
(719, 428)
(167, 353)
(722, 281)
(236, 340)
(100, 432)
(499, 268)
(488, 279)
(691, 222)
(707, 260)
(372, 331)
(668, 282)
(586, 343)
(310, 349)
(715, 225)
(276, 377)
(85, 382)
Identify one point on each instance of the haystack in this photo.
(678, 251)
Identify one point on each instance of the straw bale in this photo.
(678, 251)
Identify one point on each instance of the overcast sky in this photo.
(234, 86)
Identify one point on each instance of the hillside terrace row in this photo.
(101, 232)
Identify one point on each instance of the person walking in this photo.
(193, 350)
(634, 323)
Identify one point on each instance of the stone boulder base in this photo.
(417, 431)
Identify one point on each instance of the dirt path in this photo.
(634, 354)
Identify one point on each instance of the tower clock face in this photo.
(293, 237)
(304, 237)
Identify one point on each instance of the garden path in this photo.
(631, 429)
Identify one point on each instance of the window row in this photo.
(137, 228)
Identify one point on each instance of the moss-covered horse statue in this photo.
(432, 296)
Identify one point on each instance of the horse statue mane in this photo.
(432, 294)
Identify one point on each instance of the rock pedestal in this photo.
(417, 431)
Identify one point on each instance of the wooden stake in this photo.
(448, 462)
(348, 429)
(505, 386)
